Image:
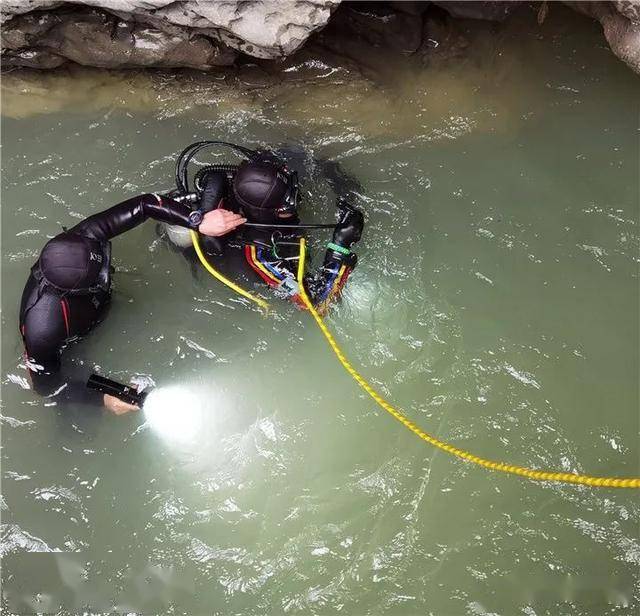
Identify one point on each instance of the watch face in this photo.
(195, 218)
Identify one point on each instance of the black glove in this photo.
(350, 225)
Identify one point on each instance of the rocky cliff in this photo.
(205, 34)
(159, 33)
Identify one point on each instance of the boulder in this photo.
(629, 8)
(260, 28)
(91, 37)
(621, 24)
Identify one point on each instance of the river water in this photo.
(495, 301)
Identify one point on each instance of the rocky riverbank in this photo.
(215, 35)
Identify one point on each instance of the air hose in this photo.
(223, 279)
(562, 477)
(185, 157)
(214, 168)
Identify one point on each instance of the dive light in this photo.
(126, 393)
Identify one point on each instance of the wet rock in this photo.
(40, 59)
(260, 28)
(113, 43)
(621, 24)
(629, 8)
(95, 38)
(369, 35)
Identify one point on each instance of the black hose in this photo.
(215, 168)
(182, 163)
(179, 163)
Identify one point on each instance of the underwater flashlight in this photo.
(127, 394)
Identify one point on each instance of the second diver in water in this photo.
(264, 189)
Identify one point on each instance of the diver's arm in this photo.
(325, 285)
(60, 389)
(131, 213)
(339, 260)
(57, 389)
(61, 385)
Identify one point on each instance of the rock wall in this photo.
(198, 34)
(205, 34)
(621, 24)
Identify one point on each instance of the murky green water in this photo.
(496, 301)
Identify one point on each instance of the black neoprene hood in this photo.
(259, 188)
(72, 262)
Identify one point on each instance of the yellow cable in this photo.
(223, 279)
(605, 482)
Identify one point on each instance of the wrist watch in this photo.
(195, 218)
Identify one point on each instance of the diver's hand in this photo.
(117, 406)
(220, 222)
(350, 225)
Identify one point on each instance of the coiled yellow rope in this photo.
(604, 482)
(223, 279)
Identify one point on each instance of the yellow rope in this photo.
(605, 482)
(223, 279)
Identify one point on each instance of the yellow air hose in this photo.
(223, 279)
(604, 482)
(600, 482)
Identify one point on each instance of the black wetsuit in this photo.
(50, 315)
(271, 255)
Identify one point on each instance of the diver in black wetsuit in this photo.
(264, 190)
(69, 287)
